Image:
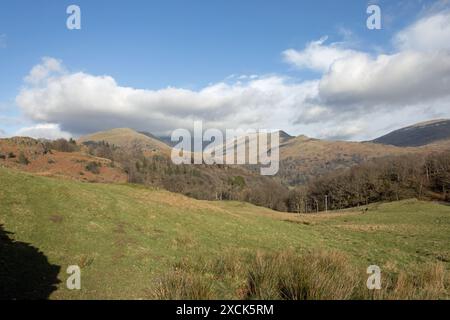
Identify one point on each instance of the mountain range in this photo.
(301, 158)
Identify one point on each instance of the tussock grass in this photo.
(428, 282)
(314, 276)
(317, 275)
(179, 285)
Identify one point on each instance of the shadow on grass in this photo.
(25, 272)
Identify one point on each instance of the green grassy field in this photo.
(124, 237)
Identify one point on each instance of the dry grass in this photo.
(180, 285)
(313, 276)
(430, 282)
(319, 275)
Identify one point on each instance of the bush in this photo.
(63, 145)
(93, 167)
(23, 159)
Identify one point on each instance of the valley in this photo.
(140, 227)
(126, 237)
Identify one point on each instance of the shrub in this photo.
(93, 167)
(63, 145)
(23, 159)
(238, 182)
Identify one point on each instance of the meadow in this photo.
(134, 242)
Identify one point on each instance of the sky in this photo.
(305, 67)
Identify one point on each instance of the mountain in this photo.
(167, 139)
(284, 136)
(303, 158)
(128, 139)
(418, 135)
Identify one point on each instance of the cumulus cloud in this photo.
(45, 131)
(82, 102)
(317, 55)
(431, 33)
(398, 79)
(44, 71)
(418, 73)
(343, 131)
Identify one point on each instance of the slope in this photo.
(417, 135)
(128, 139)
(124, 236)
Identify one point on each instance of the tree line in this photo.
(384, 179)
(393, 178)
(203, 182)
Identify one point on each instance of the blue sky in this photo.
(187, 45)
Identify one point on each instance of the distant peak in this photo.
(284, 134)
(303, 137)
(419, 134)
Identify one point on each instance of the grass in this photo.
(317, 275)
(136, 243)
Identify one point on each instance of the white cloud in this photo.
(358, 89)
(397, 80)
(317, 56)
(342, 131)
(46, 131)
(44, 70)
(429, 34)
(418, 73)
(82, 103)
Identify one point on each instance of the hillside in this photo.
(418, 135)
(30, 155)
(303, 158)
(127, 238)
(128, 139)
